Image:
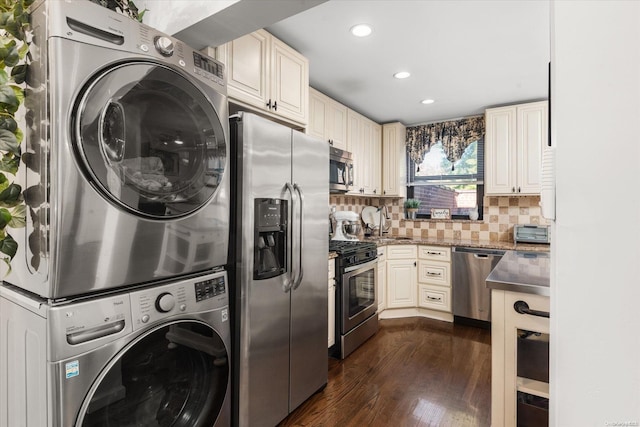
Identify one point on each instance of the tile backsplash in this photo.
(499, 216)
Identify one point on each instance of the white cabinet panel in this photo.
(402, 290)
(435, 298)
(436, 253)
(515, 138)
(402, 252)
(394, 160)
(434, 272)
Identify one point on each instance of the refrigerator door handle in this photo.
(298, 280)
(289, 277)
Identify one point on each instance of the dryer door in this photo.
(175, 375)
(149, 140)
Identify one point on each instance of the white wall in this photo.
(595, 355)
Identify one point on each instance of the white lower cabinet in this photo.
(435, 297)
(381, 280)
(418, 282)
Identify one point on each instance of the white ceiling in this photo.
(467, 55)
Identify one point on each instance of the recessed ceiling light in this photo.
(361, 30)
(402, 75)
(428, 101)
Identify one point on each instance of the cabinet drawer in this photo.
(435, 297)
(434, 272)
(402, 252)
(332, 268)
(436, 253)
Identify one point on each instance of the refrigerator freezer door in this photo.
(264, 306)
(309, 363)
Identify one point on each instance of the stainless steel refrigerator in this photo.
(280, 252)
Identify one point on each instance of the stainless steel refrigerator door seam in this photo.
(298, 280)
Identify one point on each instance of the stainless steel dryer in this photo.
(126, 153)
(156, 356)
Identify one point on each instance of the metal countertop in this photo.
(520, 271)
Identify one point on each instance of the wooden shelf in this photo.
(529, 386)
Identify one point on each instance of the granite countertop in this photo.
(520, 271)
(398, 240)
(332, 255)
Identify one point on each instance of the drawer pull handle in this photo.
(523, 308)
(430, 298)
(434, 274)
(434, 253)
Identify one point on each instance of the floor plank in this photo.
(413, 372)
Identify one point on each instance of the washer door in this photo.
(175, 375)
(149, 140)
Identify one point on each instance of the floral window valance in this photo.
(455, 135)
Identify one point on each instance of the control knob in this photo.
(164, 45)
(165, 302)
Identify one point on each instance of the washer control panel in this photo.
(187, 296)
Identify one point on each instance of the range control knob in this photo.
(164, 45)
(165, 302)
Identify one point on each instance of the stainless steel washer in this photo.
(156, 356)
(127, 156)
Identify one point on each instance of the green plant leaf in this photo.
(19, 73)
(8, 123)
(9, 142)
(8, 98)
(9, 163)
(5, 217)
(8, 246)
(11, 196)
(4, 77)
(18, 216)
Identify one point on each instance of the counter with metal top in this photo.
(519, 271)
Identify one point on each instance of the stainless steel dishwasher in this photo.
(471, 297)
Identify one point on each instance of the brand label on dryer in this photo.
(72, 369)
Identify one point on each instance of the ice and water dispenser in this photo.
(270, 238)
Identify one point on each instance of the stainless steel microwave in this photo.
(340, 170)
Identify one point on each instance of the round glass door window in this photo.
(175, 376)
(150, 140)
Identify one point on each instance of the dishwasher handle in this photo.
(479, 252)
(523, 308)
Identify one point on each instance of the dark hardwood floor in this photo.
(413, 372)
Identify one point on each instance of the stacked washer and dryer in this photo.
(115, 312)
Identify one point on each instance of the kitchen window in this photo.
(440, 183)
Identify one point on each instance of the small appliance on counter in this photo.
(347, 226)
(531, 233)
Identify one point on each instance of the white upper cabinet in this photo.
(327, 119)
(265, 73)
(394, 169)
(364, 141)
(515, 139)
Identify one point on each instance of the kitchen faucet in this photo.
(383, 218)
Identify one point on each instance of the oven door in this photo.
(358, 294)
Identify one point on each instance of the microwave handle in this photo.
(350, 177)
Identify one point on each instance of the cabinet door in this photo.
(337, 124)
(402, 283)
(289, 82)
(500, 151)
(354, 145)
(248, 68)
(532, 138)
(393, 160)
(318, 114)
(382, 285)
(375, 160)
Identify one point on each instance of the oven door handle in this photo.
(288, 278)
(298, 280)
(361, 267)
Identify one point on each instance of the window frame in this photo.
(477, 180)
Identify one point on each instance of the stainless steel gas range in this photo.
(356, 299)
